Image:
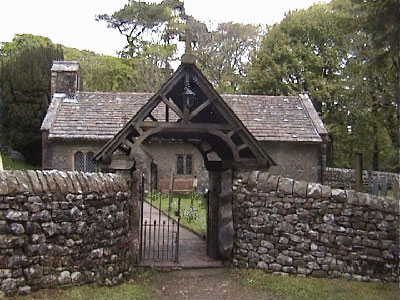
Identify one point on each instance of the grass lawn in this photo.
(291, 287)
(192, 216)
(137, 287)
(9, 164)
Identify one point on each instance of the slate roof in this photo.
(100, 115)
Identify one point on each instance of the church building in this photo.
(78, 125)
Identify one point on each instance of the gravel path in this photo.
(204, 284)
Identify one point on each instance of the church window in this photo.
(79, 161)
(189, 165)
(83, 162)
(90, 164)
(184, 164)
(179, 165)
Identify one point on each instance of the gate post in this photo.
(225, 217)
(212, 218)
(134, 217)
(220, 216)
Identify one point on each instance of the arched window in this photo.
(90, 163)
(79, 161)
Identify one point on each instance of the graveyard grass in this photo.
(293, 287)
(250, 284)
(9, 164)
(192, 217)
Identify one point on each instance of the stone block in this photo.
(314, 190)
(300, 189)
(17, 229)
(13, 215)
(59, 179)
(65, 277)
(36, 186)
(285, 186)
(9, 286)
(339, 195)
(262, 265)
(284, 260)
(82, 182)
(24, 185)
(3, 184)
(75, 182)
(271, 184)
(262, 180)
(12, 184)
(326, 192)
(51, 183)
(275, 267)
(352, 198)
(4, 228)
(42, 181)
(33, 272)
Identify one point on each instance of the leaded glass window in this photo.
(179, 164)
(189, 165)
(79, 161)
(90, 163)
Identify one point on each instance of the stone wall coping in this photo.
(266, 182)
(39, 182)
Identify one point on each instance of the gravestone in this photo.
(396, 188)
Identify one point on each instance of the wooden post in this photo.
(225, 217)
(213, 207)
(359, 171)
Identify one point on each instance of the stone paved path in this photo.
(192, 248)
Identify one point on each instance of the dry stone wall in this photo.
(60, 228)
(346, 178)
(287, 226)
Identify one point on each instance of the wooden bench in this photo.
(183, 185)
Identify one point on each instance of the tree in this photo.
(324, 52)
(142, 23)
(224, 54)
(151, 31)
(25, 78)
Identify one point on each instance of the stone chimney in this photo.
(65, 78)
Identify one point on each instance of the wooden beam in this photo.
(199, 109)
(241, 147)
(185, 107)
(137, 128)
(140, 140)
(181, 127)
(228, 141)
(230, 133)
(152, 117)
(173, 106)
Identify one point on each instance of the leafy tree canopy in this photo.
(25, 92)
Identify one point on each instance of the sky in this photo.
(72, 22)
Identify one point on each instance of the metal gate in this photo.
(159, 225)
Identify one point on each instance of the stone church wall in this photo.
(295, 160)
(287, 226)
(60, 228)
(59, 154)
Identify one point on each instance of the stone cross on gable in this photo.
(188, 37)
